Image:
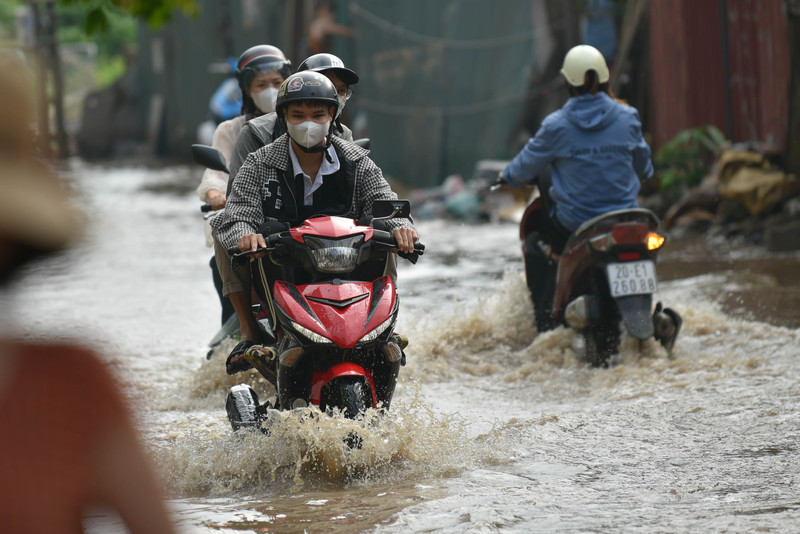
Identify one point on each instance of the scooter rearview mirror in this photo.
(209, 157)
(389, 209)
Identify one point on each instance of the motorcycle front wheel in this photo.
(350, 394)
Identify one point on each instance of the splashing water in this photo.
(304, 445)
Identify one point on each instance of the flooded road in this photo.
(493, 429)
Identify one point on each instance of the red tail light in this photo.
(629, 233)
(629, 256)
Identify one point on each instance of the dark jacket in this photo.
(261, 131)
(264, 190)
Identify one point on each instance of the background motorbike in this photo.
(606, 278)
(225, 103)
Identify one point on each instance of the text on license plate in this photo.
(632, 278)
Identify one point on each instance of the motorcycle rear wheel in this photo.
(602, 342)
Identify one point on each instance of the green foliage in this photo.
(8, 10)
(112, 24)
(109, 71)
(683, 162)
(98, 13)
(120, 30)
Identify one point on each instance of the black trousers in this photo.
(225, 302)
(541, 269)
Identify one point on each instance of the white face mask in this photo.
(342, 102)
(265, 100)
(309, 133)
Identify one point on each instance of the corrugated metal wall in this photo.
(442, 82)
(742, 88)
(173, 63)
(759, 59)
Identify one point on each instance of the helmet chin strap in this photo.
(313, 149)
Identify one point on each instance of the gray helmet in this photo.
(306, 85)
(323, 62)
(261, 58)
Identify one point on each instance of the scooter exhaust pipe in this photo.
(581, 311)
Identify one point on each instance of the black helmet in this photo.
(306, 85)
(261, 58)
(323, 62)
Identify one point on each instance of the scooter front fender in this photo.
(637, 314)
(320, 378)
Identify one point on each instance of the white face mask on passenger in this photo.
(342, 101)
(265, 100)
(308, 134)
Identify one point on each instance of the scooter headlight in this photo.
(310, 335)
(334, 255)
(377, 331)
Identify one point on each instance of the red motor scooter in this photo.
(327, 301)
(331, 309)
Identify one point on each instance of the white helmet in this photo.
(579, 60)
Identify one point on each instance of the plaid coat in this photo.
(262, 190)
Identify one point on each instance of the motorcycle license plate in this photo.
(632, 278)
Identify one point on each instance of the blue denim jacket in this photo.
(598, 158)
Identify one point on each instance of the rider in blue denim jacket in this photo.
(593, 151)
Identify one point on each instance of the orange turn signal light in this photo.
(654, 240)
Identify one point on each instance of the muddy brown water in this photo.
(493, 428)
(760, 285)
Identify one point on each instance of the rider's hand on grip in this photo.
(419, 250)
(498, 183)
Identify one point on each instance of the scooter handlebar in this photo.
(497, 184)
(419, 250)
(387, 240)
(272, 241)
(380, 237)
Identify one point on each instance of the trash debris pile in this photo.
(746, 194)
(470, 200)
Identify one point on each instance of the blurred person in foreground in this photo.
(68, 442)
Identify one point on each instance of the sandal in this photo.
(236, 362)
